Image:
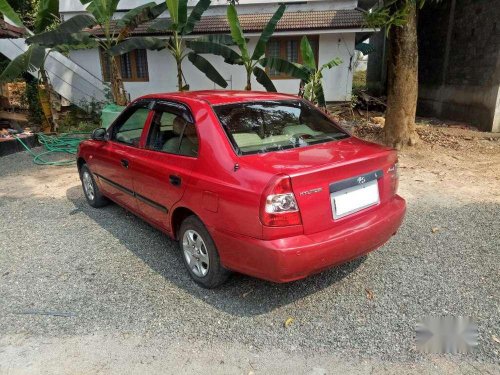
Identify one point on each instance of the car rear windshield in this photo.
(264, 126)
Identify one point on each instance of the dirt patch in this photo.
(463, 162)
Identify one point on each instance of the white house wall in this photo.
(162, 70)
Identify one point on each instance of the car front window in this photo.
(264, 126)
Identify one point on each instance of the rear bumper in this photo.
(292, 258)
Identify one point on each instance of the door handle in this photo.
(124, 163)
(174, 180)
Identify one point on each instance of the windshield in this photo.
(257, 127)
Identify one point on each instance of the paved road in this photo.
(118, 300)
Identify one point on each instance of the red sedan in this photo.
(259, 183)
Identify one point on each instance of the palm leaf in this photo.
(229, 55)
(195, 16)
(260, 48)
(205, 67)
(141, 14)
(29, 61)
(236, 31)
(7, 11)
(146, 42)
(307, 53)
(284, 66)
(262, 77)
(46, 14)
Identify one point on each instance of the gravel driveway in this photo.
(86, 290)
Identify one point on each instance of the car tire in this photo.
(200, 254)
(90, 189)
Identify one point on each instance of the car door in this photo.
(164, 164)
(114, 164)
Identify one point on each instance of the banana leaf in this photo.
(68, 30)
(307, 53)
(7, 11)
(284, 66)
(237, 32)
(46, 14)
(268, 31)
(29, 61)
(182, 13)
(141, 14)
(205, 67)
(147, 42)
(262, 77)
(173, 10)
(102, 10)
(229, 55)
(224, 39)
(198, 10)
(161, 25)
(335, 62)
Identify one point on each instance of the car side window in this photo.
(170, 132)
(130, 130)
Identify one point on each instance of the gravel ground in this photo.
(118, 299)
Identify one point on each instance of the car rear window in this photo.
(264, 126)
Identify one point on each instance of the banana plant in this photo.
(249, 61)
(74, 34)
(311, 86)
(33, 59)
(179, 26)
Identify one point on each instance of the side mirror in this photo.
(99, 134)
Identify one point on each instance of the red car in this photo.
(260, 183)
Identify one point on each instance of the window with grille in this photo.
(133, 66)
(288, 48)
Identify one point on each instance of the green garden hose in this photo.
(64, 143)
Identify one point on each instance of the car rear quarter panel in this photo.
(224, 197)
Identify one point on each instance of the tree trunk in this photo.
(44, 96)
(179, 76)
(402, 85)
(117, 87)
(248, 87)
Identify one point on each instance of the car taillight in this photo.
(394, 173)
(279, 206)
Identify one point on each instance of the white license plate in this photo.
(354, 198)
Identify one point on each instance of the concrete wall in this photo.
(459, 68)
(162, 71)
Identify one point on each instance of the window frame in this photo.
(178, 109)
(124, 116)
(133, 63)
(313, 39)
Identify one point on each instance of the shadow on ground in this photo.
(240, 295)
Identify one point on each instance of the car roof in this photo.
(218, 97)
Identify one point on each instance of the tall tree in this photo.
(399, 18)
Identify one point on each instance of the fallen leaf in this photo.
(244, 295)
(288, 322)
(435, 229)
(496, 339)
(369, 294)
